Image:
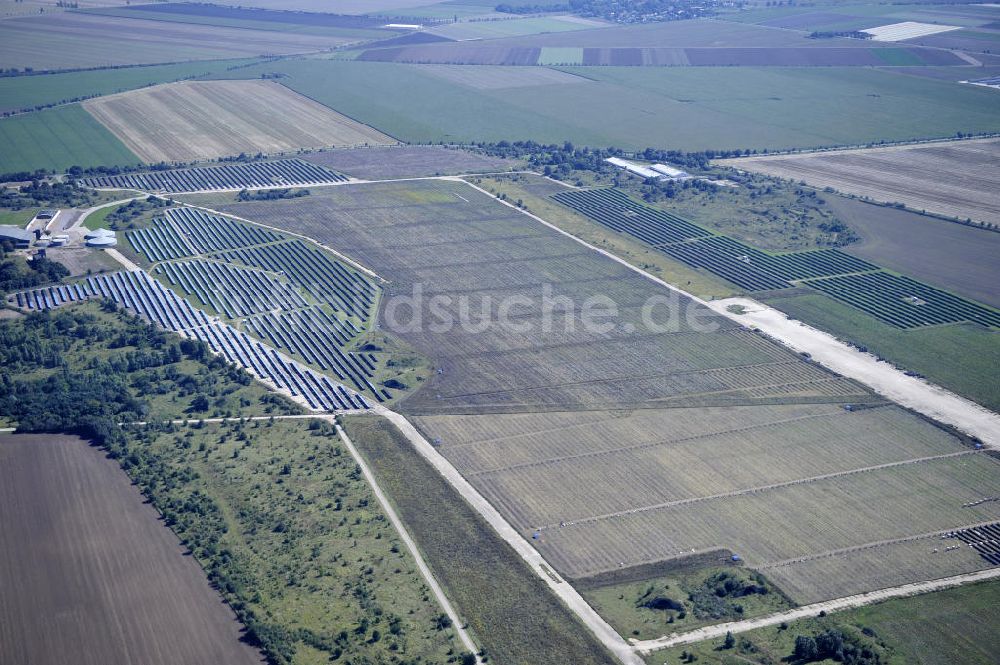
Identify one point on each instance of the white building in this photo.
(657, 171)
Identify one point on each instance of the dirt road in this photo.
(883, 378)
(719, 630)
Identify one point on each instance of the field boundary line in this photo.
(872, 545)
(758, 489)
(635, 447)
(814, 609)
(919, 395)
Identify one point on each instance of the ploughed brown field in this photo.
(88, 575)
(199, 120)
(955, 178)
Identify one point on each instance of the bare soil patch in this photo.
(90, 576)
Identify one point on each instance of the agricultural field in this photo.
(408, 162)
(75, 40)
(777, 107)
(84, 553)
(355, 28)
(28, 92)
(956, 179)
(489, 53)
(951, 256)
(502, 78)
(511, 27)
(195, 121)
(58, 139)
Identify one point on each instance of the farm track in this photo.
(766, 488)
(807, 611)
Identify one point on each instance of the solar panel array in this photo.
(231, 290)
(898, 301)
(146, 297)
(325, 279)
(318, 337)
(983, 539)
(903, 302)
(278, 173)
(187, 231)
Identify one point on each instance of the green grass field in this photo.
(310, 551)
(510, 611)
(687, 108)
(57, 139)
(961, 358)
(26, 92)
(958, 625)
(648, 609)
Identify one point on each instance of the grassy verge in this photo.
(19, 218)
(953, 626)
(962, 358)
(511, 612)
(533, 193)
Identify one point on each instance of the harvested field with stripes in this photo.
(254, 175)
(953, 178)
(409, 161)
(200, 120)
(91, 572)
(462, 54)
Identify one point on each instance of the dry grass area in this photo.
(89, 575)
(200, 120)
(955, 178)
